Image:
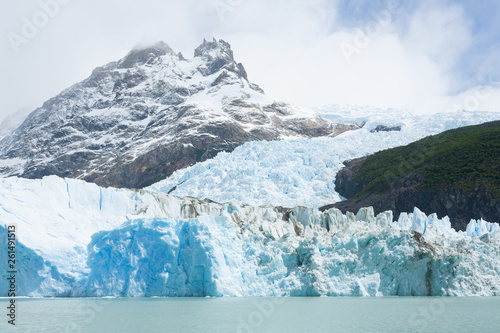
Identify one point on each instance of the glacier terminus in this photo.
(94, 241)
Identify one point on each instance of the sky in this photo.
(428, 56)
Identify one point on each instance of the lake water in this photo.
(339, 314)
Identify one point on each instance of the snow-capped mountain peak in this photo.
(141, 55)
(136, 120)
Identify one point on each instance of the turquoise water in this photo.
(340, 314)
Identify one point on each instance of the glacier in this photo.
(79, 239)
(301, 172)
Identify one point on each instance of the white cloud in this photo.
(441, 34)
(480, 98)
(389, 68)
(287, 47)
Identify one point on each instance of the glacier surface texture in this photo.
(301, 172)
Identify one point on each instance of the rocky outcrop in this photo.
(383, 128)
(460, 205)
(345, 183)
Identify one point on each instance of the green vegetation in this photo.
(463, 158)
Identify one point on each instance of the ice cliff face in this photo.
(138, 119)
(93, 241)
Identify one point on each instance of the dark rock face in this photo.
(137, 120)
(461, 206)
(383, 128)
(345, 184)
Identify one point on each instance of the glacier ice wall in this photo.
(82, 240)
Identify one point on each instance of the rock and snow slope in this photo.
(13, 121)
(138, 119)
(76, 238)
(302, 172)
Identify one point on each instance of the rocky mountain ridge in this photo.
(136, 120)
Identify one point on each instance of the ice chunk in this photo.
(365, 214)
(384, 219)
(419, 221)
